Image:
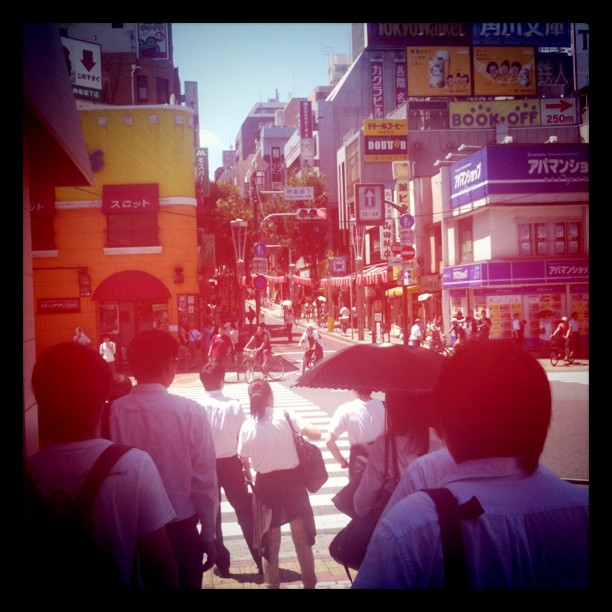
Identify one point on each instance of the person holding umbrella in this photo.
(531, 528)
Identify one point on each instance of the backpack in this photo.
(59, 553)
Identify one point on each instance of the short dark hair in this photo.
(70, 382)
(150, 351)
(493, 399)
(212, 375)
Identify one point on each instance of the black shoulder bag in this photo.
(348, 548)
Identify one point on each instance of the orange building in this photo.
(122, 255)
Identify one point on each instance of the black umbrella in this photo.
(377, 367)
(545, 313)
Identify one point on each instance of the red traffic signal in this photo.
(311, 214)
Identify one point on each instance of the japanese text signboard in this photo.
(385, 140)
(130, 199)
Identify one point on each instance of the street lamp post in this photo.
(357, 235)
(239, 227)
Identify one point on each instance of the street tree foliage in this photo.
(297, 239)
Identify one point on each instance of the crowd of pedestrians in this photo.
(479, 436)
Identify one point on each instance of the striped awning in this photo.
(372, 275)
(301, 280)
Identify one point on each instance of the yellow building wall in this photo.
(144, 152)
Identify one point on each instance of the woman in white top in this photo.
(266, 444)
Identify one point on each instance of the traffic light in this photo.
(311, 214)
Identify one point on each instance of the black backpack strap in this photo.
(450, 513)
(99, 471)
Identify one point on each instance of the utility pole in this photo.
(257, 232)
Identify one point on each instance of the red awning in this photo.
(132, 285)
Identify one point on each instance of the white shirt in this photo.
(363, 421)
(226, 416)
(193, 335)
(268, 441)
(534, 532)
(546, 329)
(108, 350)
(132, 500)
(175, 431)
(81, 338)
(315, 334)
(415, 332)
(345, 312)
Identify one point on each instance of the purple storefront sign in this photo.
(516, 273)
(510, 169)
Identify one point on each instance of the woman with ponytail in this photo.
(266, 446)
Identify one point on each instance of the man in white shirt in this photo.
(534, 532)
(80, 337)
(175, 431)
(226, 416)
(363, 419)
(131, 509)
(415, 333)
(108, 350)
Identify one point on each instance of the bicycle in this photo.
(252, 367)
(557, 353)
(442, 346)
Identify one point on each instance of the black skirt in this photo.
(281, 497)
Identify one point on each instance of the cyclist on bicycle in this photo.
(557, 339)
(572, 336)
(314, 345)
(260, 341)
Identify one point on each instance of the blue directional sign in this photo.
(406, 221)
(259, 249)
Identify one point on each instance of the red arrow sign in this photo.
(408, 253)
(562, 105)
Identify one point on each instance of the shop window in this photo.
(550, 239)
(132, 230)
(466, 242)
(143, 88)
(43, 233)
(162, 91)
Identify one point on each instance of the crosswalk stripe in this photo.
(327, 517)
(581, 378)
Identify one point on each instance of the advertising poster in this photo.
(536, 34)
(439, 71)
(504, 71)
(153, 41)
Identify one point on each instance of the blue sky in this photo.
(237, 65)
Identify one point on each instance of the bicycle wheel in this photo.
(253, 371)
(275, 368)
(554, 358)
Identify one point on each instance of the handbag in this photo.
(312, 464)
(348, 548)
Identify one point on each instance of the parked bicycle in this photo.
(251, 366)
(442, 346)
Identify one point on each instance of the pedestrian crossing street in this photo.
(327, 517)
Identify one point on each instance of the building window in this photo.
(466, 243)
(561, 238)
(162, 91)
(143, 88)
(132, 230)
(43, 233)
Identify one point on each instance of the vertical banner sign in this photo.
(201, 173)
(276, 173)
(153, 41)
(400, 82)
(305, 119)
(376, 84)
(191, 100)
